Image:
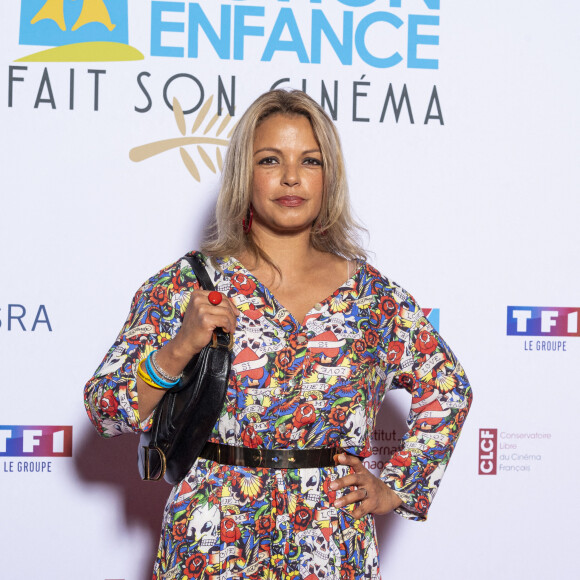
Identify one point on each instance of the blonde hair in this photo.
(334, 230)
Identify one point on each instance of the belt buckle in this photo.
(148, 476)
(259, 457)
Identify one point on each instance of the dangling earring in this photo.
(319, 230)
(247, 222)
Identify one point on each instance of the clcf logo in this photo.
(78, 31)
(542, 321)
(487, 451)
(35, 441)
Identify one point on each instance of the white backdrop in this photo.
(474, 211)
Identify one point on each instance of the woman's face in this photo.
(288, 177)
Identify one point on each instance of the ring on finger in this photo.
(366, 493)
(214, 297)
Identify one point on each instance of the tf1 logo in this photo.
(35, 441)
(487, 451)
(542, 321)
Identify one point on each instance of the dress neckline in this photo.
(348, 286)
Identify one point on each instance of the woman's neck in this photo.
(288, 252)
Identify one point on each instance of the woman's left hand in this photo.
(372, 495)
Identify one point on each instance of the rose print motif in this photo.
(284, 359)
(338, 415)
(250, 437)
(346, 572)
(195, 565)
(282, 436)
(264, 524)
(425, 342)
(302, 518)
(359, 346)
(371, 338)
(422, 503)
(243, 284)
(395, 352)
(388, 306)
(180, 529)
(109, 404)
(304, 415)
(229, 531)
(159, 295)
(402, 459)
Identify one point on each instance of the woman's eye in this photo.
(268, 161)
(312, 161)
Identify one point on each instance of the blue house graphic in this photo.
(89, 29)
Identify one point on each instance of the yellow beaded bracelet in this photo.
(144, 376)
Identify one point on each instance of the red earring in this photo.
(247, 222)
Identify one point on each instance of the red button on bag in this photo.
(214, 297)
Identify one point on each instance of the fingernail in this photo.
(333, 485)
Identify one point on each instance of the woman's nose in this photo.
(290, 175)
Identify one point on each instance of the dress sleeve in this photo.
(155, 317)
(418, 360)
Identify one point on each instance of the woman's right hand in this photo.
(200, 320)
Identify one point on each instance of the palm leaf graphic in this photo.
(231, 131)
(201, 115)
(190, 164)
(179, 116)
(223, 125)
(203, 142)
(211, 124)
(205, 158)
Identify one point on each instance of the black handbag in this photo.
(184, 418)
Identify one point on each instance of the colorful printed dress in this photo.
(315, 384)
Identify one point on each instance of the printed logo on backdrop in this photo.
(433, 315)
(77, 30)
(213, 143)
(345, 32)
(363, 36)
(23, 318)
(377, 33)
(510, 452)
(33, 446)
(552, 326)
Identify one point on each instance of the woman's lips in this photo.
(290, 200)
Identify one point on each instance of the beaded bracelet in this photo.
(155, 377)
(142, 374)
(161, 372)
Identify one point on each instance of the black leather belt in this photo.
(270, 458)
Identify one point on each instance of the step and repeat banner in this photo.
(460, 126)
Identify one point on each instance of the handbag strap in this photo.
(199, 268)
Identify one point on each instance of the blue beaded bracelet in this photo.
(155, 377)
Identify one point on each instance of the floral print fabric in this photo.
(294, 384)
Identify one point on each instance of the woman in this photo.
(320, 336)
